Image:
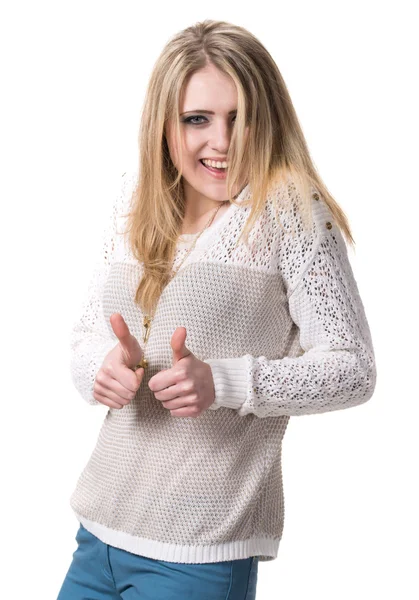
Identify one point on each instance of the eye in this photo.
(189, 120)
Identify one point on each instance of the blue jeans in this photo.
(99, 571)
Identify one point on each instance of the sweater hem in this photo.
(264, 547)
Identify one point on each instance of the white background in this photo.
(73, 77)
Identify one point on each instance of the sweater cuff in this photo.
(230, 381)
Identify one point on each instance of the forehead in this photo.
(209, 89)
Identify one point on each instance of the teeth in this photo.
(213, 163)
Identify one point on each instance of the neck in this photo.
(199, 211)
(197, 224)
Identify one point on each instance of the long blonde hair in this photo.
(275, 151)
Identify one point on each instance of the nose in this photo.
(219, 136)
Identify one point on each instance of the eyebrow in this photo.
(208, 112)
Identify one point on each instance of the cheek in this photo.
(172, 144)
(192, 143)
(173, 150)
(189, 149)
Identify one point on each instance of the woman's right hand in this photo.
(116, 383)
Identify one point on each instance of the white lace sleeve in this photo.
(337, 369)
(91, 338)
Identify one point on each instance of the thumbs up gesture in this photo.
(187, 389)
(116, 383)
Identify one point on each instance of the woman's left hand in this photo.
(187, 389)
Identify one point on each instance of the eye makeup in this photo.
(189, 119)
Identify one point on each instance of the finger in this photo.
(163, 379)
(119, 327)
(126, 377)
(172, 392)
(123, 334)
(192, 412)
(109, 392)
(180, 402)
(139, 373)
(104, 400)
(123, 375)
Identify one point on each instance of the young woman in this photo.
(224, 303)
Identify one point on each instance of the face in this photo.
(205, 135)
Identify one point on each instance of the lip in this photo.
(214, 158)
(215, 174)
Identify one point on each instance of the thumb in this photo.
(130, 347)
(178, 344)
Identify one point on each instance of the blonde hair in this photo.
(275, 152)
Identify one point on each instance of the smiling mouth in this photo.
(213, 169)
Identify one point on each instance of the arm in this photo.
(91, 336)
(337, 369)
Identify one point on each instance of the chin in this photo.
(215, 191)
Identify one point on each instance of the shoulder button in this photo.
(329, 225)
(316, 196)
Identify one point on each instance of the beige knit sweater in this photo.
(283, 327)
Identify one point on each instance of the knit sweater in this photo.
(280, 322)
